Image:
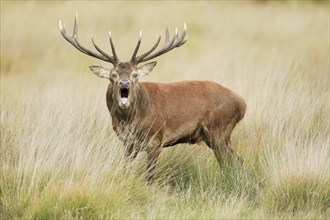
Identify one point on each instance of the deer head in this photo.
(124, 76)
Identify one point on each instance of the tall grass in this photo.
(59, 157)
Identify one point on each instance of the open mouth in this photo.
(124, 96)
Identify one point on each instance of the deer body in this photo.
(150, 116)
(176, 113)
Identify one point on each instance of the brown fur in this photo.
(164, 115)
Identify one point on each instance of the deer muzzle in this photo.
(124, 93)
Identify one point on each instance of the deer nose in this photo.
(124, 84)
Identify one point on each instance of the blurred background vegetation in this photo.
(60, 159)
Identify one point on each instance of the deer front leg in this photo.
(130, 155)
(152, 157)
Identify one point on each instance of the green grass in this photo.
(60, 159)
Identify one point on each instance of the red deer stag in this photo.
(150, 116)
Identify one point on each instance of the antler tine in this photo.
(136, 48)
(176, 41)
(99, 49)
(182, 38)
(140, 58)
(113, 48)
(75, 26)
(74, 41)
(167, 35)
(169, 45)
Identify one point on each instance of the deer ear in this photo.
(100, 71)
(147, 68)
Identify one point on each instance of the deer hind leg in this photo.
(219, 141)
(236, 156)
(223, 153)
(226, 157)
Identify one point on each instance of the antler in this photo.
(74, 41)
(176, 41)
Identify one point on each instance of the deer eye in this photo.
(114, 75)
(135, 75)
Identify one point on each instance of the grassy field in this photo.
(59, 157)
